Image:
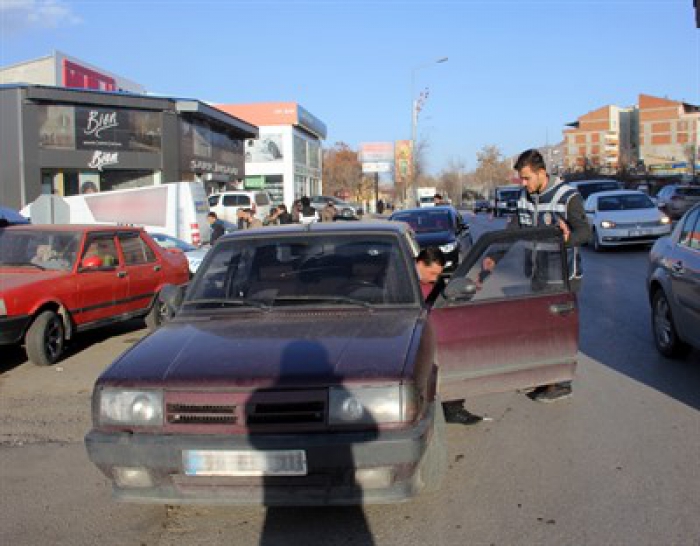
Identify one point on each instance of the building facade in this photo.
(61, 70)
(286, 160)
(70, 141)
(657, 136)
(669, 135)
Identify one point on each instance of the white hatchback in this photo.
(624, 217)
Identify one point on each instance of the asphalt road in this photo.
(619, 463)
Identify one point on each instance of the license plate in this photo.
(639, 232)
(244, 463)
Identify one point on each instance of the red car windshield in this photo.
(40, 249)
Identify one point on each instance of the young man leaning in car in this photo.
(430, 263)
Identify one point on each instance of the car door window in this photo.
(505, 267)
(690, 235)
(103, 249)
(135, 250)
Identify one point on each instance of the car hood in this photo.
(272, 348)
(630, 216)
(21, 277)
(435, 238)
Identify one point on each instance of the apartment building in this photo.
(658, 135)
(603, 139)
(669, 135)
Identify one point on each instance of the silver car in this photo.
(193, 254)
(675, 199)
(674, 287)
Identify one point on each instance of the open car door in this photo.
(507, 318)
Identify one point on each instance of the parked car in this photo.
(301, 367)
(10, 217)
(194, 254)
(226, 204)
(506, 200)
(346, 211)
(624, 217)
(588, 187)
(676, 199)
(673, 284)
(58, 280)
(438, 226)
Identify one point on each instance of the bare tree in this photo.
(342, 171)
(493, 169)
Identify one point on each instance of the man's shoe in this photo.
(552, 393)
(460, 416)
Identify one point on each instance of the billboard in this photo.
(377, 152)
(403, 152)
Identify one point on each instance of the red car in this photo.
(56, 281)
(303, 367)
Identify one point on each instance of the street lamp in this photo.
(414, 117)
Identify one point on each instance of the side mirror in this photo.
(171, 295)
(460, 289)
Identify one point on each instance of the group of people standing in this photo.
(302, 213)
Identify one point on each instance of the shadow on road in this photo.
(318, 526)
(616, 325)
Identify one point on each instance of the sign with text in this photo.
(377, 152)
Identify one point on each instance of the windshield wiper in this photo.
(338, 299)
(217, 302)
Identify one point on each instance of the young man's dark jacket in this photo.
(557, 201)
(217, 230)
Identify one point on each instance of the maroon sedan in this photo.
(303, 366)
(57, 280)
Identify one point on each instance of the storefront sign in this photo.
(199, 166)
(102, 159)
(106, 128)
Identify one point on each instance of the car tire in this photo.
(597, 246)
(45, 339)
(665, 335)
(157, 315)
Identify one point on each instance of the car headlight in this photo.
(449, 247)
(3, 308)
(664, 220)
(372, 405)
(130, 407)
(607, 224)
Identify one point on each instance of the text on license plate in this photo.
(638, 232)
(244, 463)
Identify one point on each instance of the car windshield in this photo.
(694, 192)
(428, 221)
(39, 249)
(308, 269)
(509, 194)
(625, 202)
(587, 189)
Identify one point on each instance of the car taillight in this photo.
(196, 237)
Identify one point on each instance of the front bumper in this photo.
(332, 461)
(632, 236)
(12, 329)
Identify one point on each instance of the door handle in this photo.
(121, 274)
(562, 308)
(677, 267)
(156, 268)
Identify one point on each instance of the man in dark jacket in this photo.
(216, 225)
(545, 201)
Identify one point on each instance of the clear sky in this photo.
(518, 70)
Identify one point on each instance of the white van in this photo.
(178, 209)
(227, 203)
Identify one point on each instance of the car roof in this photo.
(426, 210)
(612, 193)
(595, 181)
(321, 228)
(92, 228)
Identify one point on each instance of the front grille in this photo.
(638, 225)
(222, 412)
(189, 414)
(295, 412)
